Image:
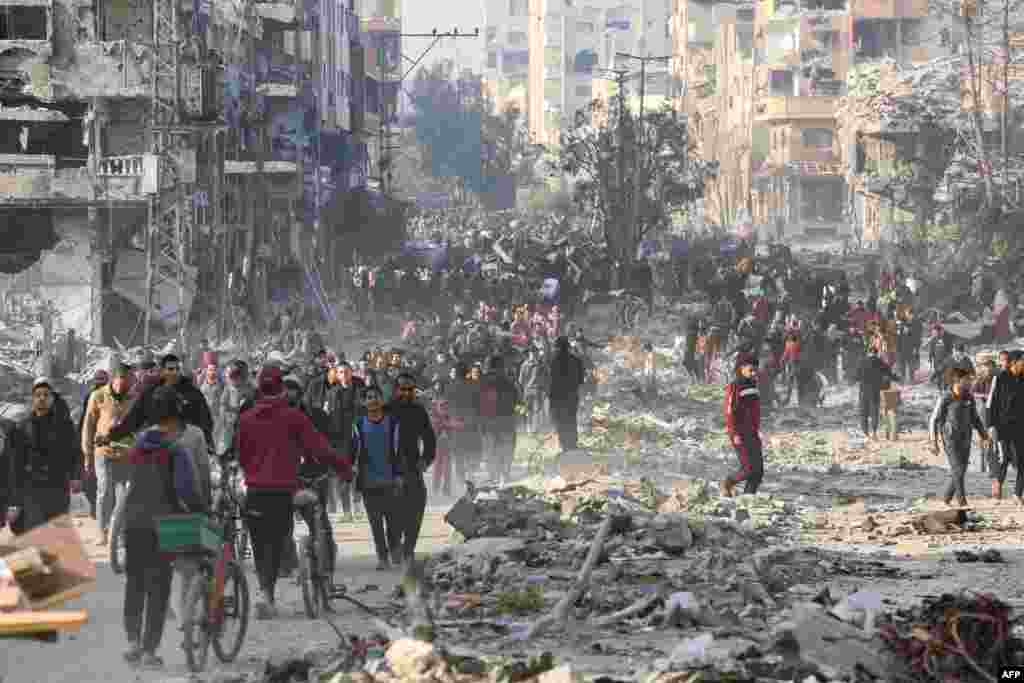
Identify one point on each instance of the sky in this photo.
(422, 16)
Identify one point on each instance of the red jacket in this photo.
(273, 437)
(742, 408)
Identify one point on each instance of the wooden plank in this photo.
(28, 622)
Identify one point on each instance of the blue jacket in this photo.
(361, 456)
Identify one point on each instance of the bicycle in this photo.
(316, 555)
(218, 593)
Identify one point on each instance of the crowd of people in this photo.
(493, 356)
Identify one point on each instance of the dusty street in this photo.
(94, 654)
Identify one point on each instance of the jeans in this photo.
(869, 409)
(382, 511)
(1000, 459)
(111, 485)
(958, 454)
(343, 493)
(271, 522)
(147, 589)
(412, 504)
(751, 457)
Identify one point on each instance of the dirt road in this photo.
(94, 654)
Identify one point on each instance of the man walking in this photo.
(45, 457)
(273, 439)
(107, 406)
(874, 376)
(379, 477)
(498, 398)
(567, 376)
(743, 425)
(344, 402)
(1006, 412)
(416, 448)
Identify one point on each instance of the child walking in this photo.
(954, 417)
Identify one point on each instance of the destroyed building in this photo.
(764, 81)
(151, 148)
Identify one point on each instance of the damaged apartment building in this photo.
(153, 149)
(764, 83)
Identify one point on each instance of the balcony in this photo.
(35, 179)
(106, 69)
(252, 167)
(285, 90)
(783, 108)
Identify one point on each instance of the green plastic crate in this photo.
(188, 533)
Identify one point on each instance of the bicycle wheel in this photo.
(196, 622)
(117, 545)
(229, 636)
(309, 579)
(325, 573)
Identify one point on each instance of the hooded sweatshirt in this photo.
(273, 437)
(156, 462)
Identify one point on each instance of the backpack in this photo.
(186, 488)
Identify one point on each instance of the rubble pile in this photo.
(706, 587)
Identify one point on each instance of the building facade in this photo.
(154, 172)
(763, 85)
(550, 57)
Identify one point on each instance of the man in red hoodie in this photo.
(743, 425)
(273, 437)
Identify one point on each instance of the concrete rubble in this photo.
(715, 595)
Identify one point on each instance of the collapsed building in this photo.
(151, 148)
(765, 81)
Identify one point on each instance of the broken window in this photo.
(23, 23)
(821, 200)
(817, 137)
(781, 83)
(62, 140)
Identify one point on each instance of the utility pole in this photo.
(640, 133)
(1006, 101)
(621, 77)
